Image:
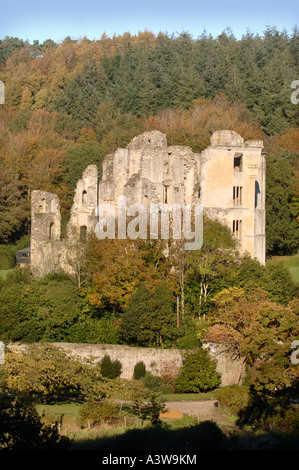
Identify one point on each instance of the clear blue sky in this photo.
(56, 19)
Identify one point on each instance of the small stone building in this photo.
(23, 256)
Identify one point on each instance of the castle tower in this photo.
(233, 188)
(45, 232)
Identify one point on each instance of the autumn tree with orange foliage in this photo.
(116, 267)
(194, 127)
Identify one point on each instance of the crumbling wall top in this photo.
(226, 138)
(153, 139)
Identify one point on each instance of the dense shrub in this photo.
(156, 384)
(93, 413)
(7, 257)
(232, 398)
(50, 309)
(110, 369)
(198, 373)
(93, 330)
(21, 428)
(139, 370)
(46, 371)
(283, 421)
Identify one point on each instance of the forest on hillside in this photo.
(67, 105)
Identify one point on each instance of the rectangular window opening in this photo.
(165, 195)
(237, 195)
(238, 162)
(237, 226)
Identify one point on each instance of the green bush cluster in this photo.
(50, 309)
(156, 384)
(7, 257)
(232, 398)
(110, 369)
(94, 414)
(198, 373)
(151, 382)
(21, 428)
(139, 370)
(284, 421)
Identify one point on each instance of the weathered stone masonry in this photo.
(227, 178)
(155, 360)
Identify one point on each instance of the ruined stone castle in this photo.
(227, 179)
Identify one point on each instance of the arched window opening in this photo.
(83, 231)
(84, 197)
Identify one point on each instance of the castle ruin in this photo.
(227, 179)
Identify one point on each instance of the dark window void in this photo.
(84, 197)
(238, 162)
(237, 226)
(42, 206)
(51, 229)
(237, 195)
(83, 231)
(257, 194)
(165, 195)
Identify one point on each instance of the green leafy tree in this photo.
(21, 428)
(281, 225)
(198, 373)
(45, 371)
(110, 369)
(210, 268)
(275, 278)
(254, 327)
(139, 370)
(13, 212)
(150, 318)
(78, 157)
(84, 93)
(46, 309)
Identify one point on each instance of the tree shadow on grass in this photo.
(203, 436)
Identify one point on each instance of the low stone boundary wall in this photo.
(155, 360)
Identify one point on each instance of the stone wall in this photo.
(227, 179)
(155, 360)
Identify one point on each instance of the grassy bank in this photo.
(73, 409)
(4, 272)
(292, 262)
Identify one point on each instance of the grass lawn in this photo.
(127, 428)
(292, 262)
(60, 408)
(72, 409)
(4, 272)
(68, 414)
